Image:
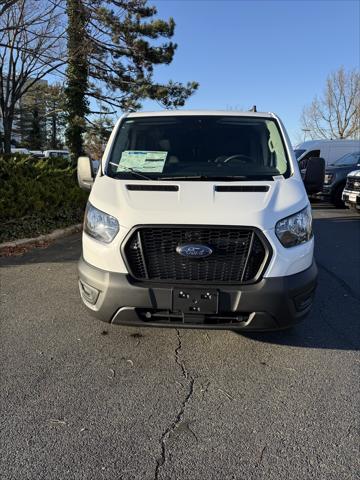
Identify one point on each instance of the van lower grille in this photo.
(239, 254)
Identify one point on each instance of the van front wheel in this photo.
(336, 196)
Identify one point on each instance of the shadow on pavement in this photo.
(313, 332)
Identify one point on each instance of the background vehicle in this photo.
(330, 150)
(22, 151)
(37, 153)
(56, 153)
(351, 193)
(335, 177)
(199, 219)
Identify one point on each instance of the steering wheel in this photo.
(239, 156)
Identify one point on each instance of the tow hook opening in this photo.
(89, 294)
(304, 301)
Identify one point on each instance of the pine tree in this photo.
(113, 47)
(97, 135)
(55, 116)
(30, 117)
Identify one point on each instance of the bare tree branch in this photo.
(337, 113)
(31, 47)
(5, 5)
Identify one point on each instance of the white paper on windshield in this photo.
(142, 161)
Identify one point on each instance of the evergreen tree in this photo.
(55, 116)
(35, 137)
(97, 135)
(113, 47)
(30, 116)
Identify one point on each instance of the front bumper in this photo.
(271, 304)
(351, 199)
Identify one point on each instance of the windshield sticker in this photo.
(142, 161)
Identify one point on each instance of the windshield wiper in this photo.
(134, 172)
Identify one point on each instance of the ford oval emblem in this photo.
(194, 250)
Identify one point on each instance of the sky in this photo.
(272, 54)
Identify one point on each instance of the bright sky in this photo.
(274, 54)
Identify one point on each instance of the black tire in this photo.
(336, 196)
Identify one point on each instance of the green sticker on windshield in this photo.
(142, 161)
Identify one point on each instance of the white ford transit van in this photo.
(329, 150)
(199, 219)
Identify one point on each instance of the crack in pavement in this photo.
(179, 417)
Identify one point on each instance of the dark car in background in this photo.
(335, 177)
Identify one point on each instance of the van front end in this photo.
(200, 221)
(271, 303)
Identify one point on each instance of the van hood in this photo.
(198, 202)
(354, 173)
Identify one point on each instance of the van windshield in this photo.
(348, 160)
(198, 147)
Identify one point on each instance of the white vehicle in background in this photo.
(351, 193)
(329, 150)
(56, 153)
(199, 219)
(37, 153)
(21, 151)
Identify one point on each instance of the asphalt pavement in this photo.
(80, 399)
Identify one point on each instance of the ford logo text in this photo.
(194, 250)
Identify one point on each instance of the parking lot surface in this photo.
(81, 399)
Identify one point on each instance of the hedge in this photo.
(37, 195)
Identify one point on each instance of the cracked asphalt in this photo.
(80, 399)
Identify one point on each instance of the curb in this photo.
(25, 243)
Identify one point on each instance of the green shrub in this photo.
(37, 195)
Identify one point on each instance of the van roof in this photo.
(65, 151)
(312, 143)
(181, 113)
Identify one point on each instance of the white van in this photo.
(21, 151)
(56, 153)
(329, 150)
(199, 219)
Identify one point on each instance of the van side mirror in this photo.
(84, 173)
(314, 175)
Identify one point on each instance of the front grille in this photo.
(239, 254)
(353, 184)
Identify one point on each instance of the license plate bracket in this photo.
(195, 301)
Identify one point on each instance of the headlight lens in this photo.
(295, 229)
(100, 225)
(328, 178)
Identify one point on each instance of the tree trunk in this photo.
(77, 73)
(7, 124)
(53, 132)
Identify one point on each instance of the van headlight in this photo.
(295, 229)
(100, 225)
(328, 178)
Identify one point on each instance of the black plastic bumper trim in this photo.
(272, 303)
